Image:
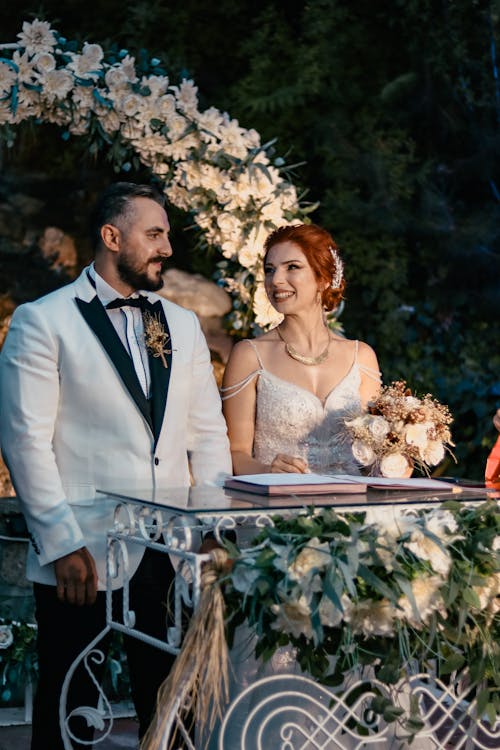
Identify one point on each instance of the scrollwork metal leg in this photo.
(92, 715)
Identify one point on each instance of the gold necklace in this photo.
(294, 354)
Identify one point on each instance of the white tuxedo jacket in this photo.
(73, 418)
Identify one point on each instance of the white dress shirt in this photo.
(129, 325)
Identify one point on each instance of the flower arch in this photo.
(206, 162)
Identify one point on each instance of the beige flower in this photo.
(131, 104)
(442, 524)
(370, 617)
(293, 616)
(394, 465)
(187, 97)
(57, 84)
(128, 67)
(427, 599)
(433, 452)
(315, 555)
(265, 314)
(330, 616)
(489, 594)
(8, 77)
(37, 37)
(116, 79)
(417, 434)
(26, 69)
(426, 549)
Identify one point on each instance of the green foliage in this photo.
(18, 660)
(397, 595)
(19, 664)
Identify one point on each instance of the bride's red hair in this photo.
(317, 245)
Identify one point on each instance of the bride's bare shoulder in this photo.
(245, 353)
(365, 354)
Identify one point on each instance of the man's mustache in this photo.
(160, 259)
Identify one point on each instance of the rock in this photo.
(195, 293)
(58, 249)
(12, 224)
(13, 565)
(209, 302)
(26, 204)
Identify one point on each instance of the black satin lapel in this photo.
(97, 319)
(160, 375)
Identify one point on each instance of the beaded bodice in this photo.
(290, 419)
(293, 420)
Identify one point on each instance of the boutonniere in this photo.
(156, 337)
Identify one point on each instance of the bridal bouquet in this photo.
(400, 431)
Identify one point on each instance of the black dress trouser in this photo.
(64, 630)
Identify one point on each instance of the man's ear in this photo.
(110, 236)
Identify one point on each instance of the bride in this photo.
(286, 394)
(285, 397)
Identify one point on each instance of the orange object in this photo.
(492, 471)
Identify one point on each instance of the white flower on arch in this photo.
(212, 166)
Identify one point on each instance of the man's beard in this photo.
(139, 279)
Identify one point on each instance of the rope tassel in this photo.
(198, 683)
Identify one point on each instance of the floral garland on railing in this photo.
(378, 590)
(209, 165)
(18, 658)
(19, 663)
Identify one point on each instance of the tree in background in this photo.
(394, 108)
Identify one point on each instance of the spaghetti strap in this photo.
(254, 347)
(232, 390)
(364, 369)
(371, 373)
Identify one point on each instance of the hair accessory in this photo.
(339, 268)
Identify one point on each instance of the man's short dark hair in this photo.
(115, 202)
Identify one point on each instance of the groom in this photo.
(89, 401)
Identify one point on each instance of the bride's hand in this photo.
(283, 464)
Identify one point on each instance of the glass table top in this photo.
(204, 500)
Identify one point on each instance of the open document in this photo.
(314, 484)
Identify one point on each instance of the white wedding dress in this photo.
(292, 420)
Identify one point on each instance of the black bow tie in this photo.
(139, 301)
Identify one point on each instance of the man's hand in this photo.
(496, 420)
(76, 577)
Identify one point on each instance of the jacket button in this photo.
(157, 460)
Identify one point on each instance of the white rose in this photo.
(44, 61)
(115, 78)
(363, 453)
(394, 465)
(378, 427)
(6, 636)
